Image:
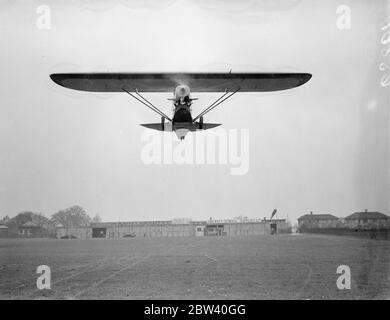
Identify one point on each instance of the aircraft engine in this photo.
(182, 91)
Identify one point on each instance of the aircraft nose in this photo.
(182, 90)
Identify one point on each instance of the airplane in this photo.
(182, 85)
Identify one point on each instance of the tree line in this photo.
(74, 216)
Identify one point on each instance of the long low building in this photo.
(171, 229)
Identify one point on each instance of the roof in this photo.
(29, 224)
(366, 215)
(317, 217)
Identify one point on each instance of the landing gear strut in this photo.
(201, 122)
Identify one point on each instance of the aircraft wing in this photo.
(166, 82)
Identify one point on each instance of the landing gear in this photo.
(163, 123)
(201, 122)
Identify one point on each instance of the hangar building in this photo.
(171, 229)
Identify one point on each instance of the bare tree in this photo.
(74, 216)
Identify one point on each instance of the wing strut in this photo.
(216, 103)
(147, 103)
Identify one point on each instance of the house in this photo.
(30, 230)
(367, 220)
(3, 231)
(317, 221)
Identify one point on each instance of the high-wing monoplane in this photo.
(182, 85)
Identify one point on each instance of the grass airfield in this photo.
(254, 267)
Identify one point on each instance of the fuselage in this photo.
(182, 121)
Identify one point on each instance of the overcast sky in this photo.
(322, 147)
